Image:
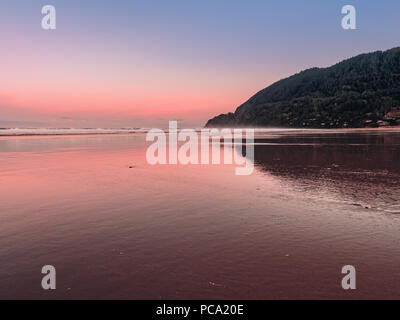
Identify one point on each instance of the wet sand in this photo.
(318, 200)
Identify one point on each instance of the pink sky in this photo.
(140, 64)
(116, 89)
(95, 86)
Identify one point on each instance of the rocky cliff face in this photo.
(363, 91)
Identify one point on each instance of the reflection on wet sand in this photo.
(358, 168)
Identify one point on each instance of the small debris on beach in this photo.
(356, 204)
(362, 206)
(213, 284)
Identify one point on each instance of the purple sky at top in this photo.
(142, 63)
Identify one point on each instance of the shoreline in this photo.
(81, 132)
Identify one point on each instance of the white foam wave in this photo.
(66, 131)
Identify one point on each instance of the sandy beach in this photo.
(116, 227)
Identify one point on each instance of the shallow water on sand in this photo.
(317, 200)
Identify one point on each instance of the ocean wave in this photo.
(67, 131)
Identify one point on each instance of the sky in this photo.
(131, 63)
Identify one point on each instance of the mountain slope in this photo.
(363, 91)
